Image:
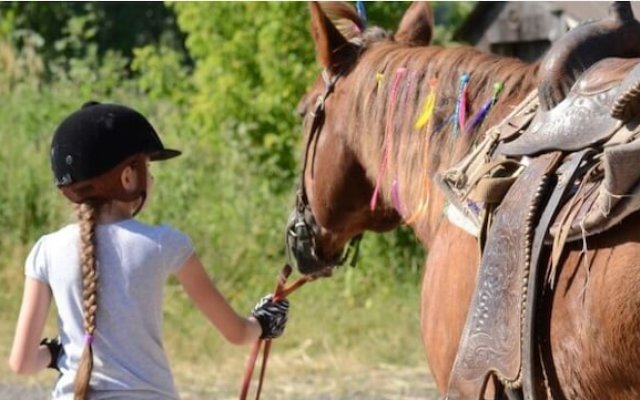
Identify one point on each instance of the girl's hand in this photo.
(272, 316)
(55, 348)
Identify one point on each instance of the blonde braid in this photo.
(87, 216)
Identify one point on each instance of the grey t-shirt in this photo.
(134, 262)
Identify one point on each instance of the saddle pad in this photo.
(491, 340)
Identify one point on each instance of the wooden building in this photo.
(526, 29)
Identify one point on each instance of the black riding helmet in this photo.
(96, 139)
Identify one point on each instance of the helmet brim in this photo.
(164, 154)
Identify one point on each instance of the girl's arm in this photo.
(204, 294)
(27, 355)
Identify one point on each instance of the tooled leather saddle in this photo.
(565, 164)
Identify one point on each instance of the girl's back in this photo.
(134, 262)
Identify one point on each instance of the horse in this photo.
(358, 177)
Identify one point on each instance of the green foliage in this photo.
(20, 61)
(118, 27)
(448, 17)
(47, 19)
(386, 14)
(162, 73)
(7, 22)
(253, 62)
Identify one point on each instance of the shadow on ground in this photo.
(382, 383)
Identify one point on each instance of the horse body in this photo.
(588, 336)
(593, 350)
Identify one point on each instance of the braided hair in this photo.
(87, 217)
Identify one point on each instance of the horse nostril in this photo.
(309, 265)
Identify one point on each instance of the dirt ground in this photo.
(381, 383)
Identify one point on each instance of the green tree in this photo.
(116, 27)
(251, 66)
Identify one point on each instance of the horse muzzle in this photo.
(301, 244)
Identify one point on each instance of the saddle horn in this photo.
(621, 11)
(617, 35)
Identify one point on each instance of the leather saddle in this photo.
(578, 167)
(598, 113)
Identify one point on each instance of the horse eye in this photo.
(301, 108)
(301, 112)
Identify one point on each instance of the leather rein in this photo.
(300, 239)
(280, 293)
(300, 236)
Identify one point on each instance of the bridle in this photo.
(300, 239)
(300, 235)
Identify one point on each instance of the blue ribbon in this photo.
(362, 12)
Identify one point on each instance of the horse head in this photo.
(333, 200)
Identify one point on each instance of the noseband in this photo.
(301, 235)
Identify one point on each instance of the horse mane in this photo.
(369, 105)
(433, 147)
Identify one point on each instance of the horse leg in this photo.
(447, 286)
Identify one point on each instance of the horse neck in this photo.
(386, 104)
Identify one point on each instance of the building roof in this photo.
(582, 10)
(572, 13)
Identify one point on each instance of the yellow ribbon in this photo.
(379, 77)
(429, 105)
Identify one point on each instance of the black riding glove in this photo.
(272, 316)
(55, 347)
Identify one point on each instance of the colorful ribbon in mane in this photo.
(425, 118)
(362, 13)
(460, 113)
(429, 105)
(379, 78)
(386, 144)
(476, 120)
(395, 185)
(484, 110)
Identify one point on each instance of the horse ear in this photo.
(416, 27)
(330, 44)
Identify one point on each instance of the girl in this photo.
(106, 273)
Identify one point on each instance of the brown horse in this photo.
(589, 326)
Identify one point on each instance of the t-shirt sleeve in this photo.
(176, 249)
(36, 264)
